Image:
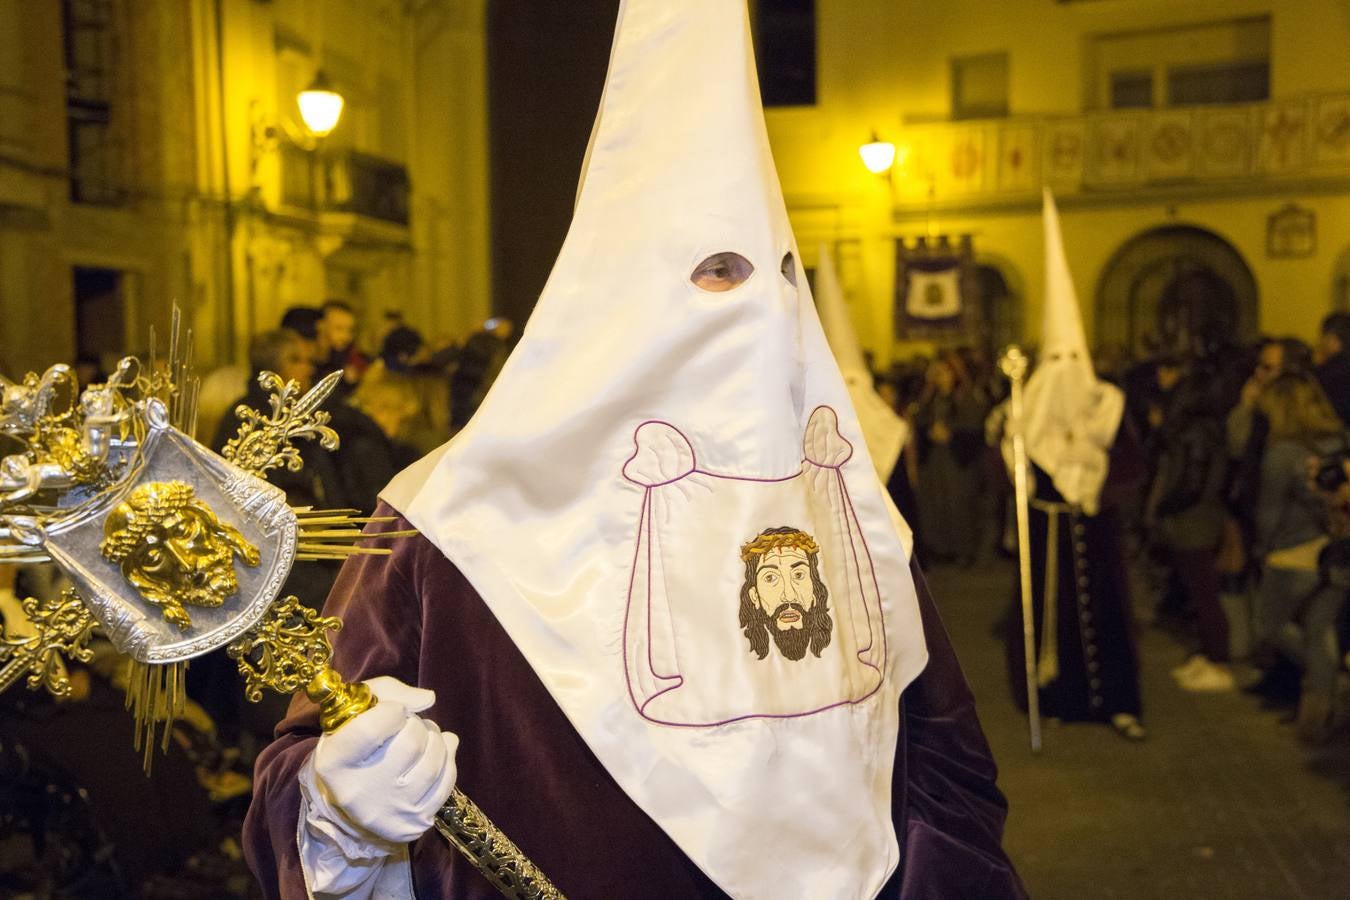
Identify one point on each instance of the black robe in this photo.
(1095, 637)
(414, 616)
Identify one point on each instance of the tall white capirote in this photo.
(660, 501)
(1071, 416)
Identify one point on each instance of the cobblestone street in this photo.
(1220, 801)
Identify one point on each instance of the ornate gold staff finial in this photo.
(145, 520)
(265, 442)
(62, 630)
(289, 650)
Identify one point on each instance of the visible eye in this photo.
(153, 557)
(799, 575)
(722, 272)
(789, 268)
(770, 578)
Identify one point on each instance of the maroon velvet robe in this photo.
(414, 616)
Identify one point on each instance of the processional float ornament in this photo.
(174, 551)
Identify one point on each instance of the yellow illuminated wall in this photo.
(885, 65)
(202, 99)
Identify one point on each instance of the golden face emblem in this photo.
(173, 549)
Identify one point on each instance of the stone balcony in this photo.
(1301, 143)
(345, 182)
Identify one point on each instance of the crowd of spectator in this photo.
(1244, 519)
(1242, 538)
(393, 404)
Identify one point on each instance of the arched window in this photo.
(1179, 287)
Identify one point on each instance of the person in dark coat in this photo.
(336, 346)
(949, 430)
(289, 355)
(477, 365)
(1333, 362)
(1185, 517)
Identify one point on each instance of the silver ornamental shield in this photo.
(187, 553)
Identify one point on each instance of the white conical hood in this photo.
(1071, 416)
(884, 430)
(1061, 321)
(659, 465)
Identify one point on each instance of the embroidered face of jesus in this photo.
(783, 597)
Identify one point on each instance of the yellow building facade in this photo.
(1177, 137)
(152, 153)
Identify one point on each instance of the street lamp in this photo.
(877, 155)
(320, 106)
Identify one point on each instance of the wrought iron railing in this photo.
(345, 181)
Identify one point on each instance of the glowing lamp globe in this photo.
(320, 106)
(878, 156)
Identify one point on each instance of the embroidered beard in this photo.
(814, 635)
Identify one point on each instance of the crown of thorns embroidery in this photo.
(147, 506)
(776, 541)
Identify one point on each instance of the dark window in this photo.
(88, 57)
(980, 86)
(99, 312)
(1240, 82)
(785, 47)
(1131, 90)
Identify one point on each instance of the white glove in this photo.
(388, 770)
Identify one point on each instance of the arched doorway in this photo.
(999, 290)
(1179, 287)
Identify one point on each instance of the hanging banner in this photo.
(932, 289)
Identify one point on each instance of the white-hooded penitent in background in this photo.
(1071, 417)
(660, 501)
(883, 429)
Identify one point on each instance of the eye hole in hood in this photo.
(789, 268)
(722, 272)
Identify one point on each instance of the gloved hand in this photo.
(388, 770)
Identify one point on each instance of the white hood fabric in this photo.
(1071, 416)
(885, 432)
(658, 466)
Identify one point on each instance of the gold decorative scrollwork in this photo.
(289, 650)
(63, 629)
(264, 442)
(511, 872)
(285, 651)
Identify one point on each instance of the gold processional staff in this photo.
(174, 552)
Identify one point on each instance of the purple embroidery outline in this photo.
(852, 527)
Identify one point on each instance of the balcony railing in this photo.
(346, 181)
(1252, 145)
(299, 177)
(368, 186)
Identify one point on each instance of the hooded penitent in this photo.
(661, 501)
(884, 431)
(1071, 416)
